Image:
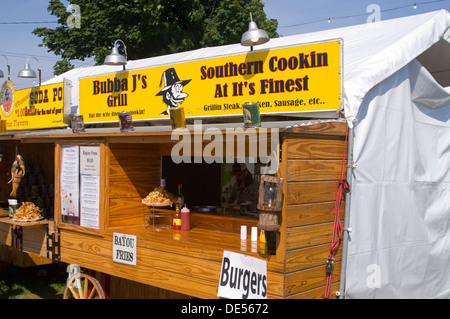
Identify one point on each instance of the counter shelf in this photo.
(153, 215)
(16, 222)
(47, 227)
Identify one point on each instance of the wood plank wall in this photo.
(134, 171)
(314, 163)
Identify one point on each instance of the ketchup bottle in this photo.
(185, 218)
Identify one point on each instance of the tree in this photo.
(62, 66)
(149, 27)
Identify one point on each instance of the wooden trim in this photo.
(102, 192)
(314, 170)
(316, 148)
(311, 192)
(329, 128)
(57, 184)
(308, 257)
(305, 236)
(316, 293)
(312, 213)
(310, 278)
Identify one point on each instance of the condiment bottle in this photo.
(12, 207)
(185, 218)
(180, 196)
(177, 218)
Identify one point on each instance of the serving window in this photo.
(229, 189)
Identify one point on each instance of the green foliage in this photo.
(62, 66)
(38, 282)
(150, 27)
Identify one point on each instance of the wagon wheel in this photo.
(83, 286)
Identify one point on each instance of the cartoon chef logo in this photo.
(172, 93)
(7, 98)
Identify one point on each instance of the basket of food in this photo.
(159, 197)
(28, 212)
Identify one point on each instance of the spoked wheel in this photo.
(83, 286)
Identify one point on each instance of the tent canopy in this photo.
(372, 52)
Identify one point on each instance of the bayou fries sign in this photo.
(289, 80)
(37, 107)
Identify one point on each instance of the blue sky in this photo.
(294, 17)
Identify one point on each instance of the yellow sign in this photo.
(32, 108)
(295, 79)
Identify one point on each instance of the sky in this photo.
(19, 18)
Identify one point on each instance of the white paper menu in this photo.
(69, 180)
(90, 186)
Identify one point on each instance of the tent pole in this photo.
(346, 230)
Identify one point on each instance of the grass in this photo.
(38, 282)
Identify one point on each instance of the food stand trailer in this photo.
(189, 262)
(111, 231)
(102, 175)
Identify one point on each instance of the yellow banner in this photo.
(295, 79)
(32, 108)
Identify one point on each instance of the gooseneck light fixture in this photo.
(115, 58)
(27, 72)
(254, 36)
(8, 66)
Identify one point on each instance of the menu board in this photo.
(80, 185)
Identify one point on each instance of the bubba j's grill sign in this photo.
(303, 78)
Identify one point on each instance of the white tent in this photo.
(395, 101)
(399, 209)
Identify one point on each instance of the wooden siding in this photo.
(314, 162)
(134, 171)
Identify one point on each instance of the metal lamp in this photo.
(115, 58)
(254, 36)
(27, 72)
(8, 66)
